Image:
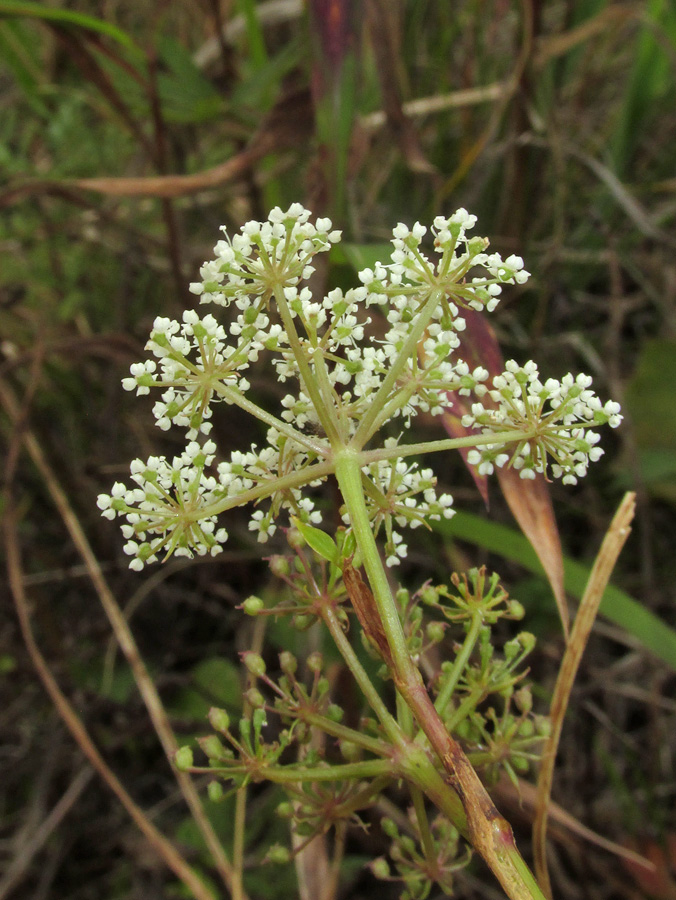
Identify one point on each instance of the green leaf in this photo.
(649, 402)
(25, 9)
(616, 605)
(360, 256)
(322, 543)
(186, 95)
(215, 682)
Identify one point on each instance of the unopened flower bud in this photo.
(380, 868)
(287, 662)
(351, 752)
(212, 747)
(254, 664)
(315, 662)
(435, 632)
(278, 854)
(524, 699)
(334, 713)
(389, 828)
(515, 610)
(279, 566)
(215, 791)
(183, 759)
(254, 698)
(219, 719)
(252, 606)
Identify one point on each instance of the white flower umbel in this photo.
(556, 418)
(165, 512)
(404, 495)
(346, 378)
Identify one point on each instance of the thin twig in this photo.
(18, 866)
(165, 850)
(613, 542)
(124, 637)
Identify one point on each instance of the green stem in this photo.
(237, 398)
(423, 318)
(423, 824)
(360, 675)
(489, 833)
(238, 843)
(343, 733)
(267, 488)
(309, 381)
(472, 440)
(348, 473)
(468, 645)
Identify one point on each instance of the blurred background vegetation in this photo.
(129, 132)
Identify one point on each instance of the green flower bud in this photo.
(524, 699)
(302, 622)
(295, 539)
(285, 810)
(351, 752)
(389, 828)
(543, 726)
(183, 759)
(380, 868)
(254, 663)
(279, 566)
(219, 719)
(278, 854)
(334, 713)
(429, 595)
(254, 698)
(527, 640)
(288, 662)
(215, 791)
(253, 605)
(315, 662)
(435, 632)
(527, 728)
(515, 610)
(213, 747)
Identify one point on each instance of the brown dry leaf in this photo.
(531, 506)
(364, 604)
(660, 880)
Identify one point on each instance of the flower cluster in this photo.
(264, 257)
(347, 379)
(401, 494)
(168, 510)
(556, 420)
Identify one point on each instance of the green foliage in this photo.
(649, 398)
(213, 682)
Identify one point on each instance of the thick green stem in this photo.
(348, 474)
(489, 833)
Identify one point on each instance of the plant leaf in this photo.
(322, 543)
